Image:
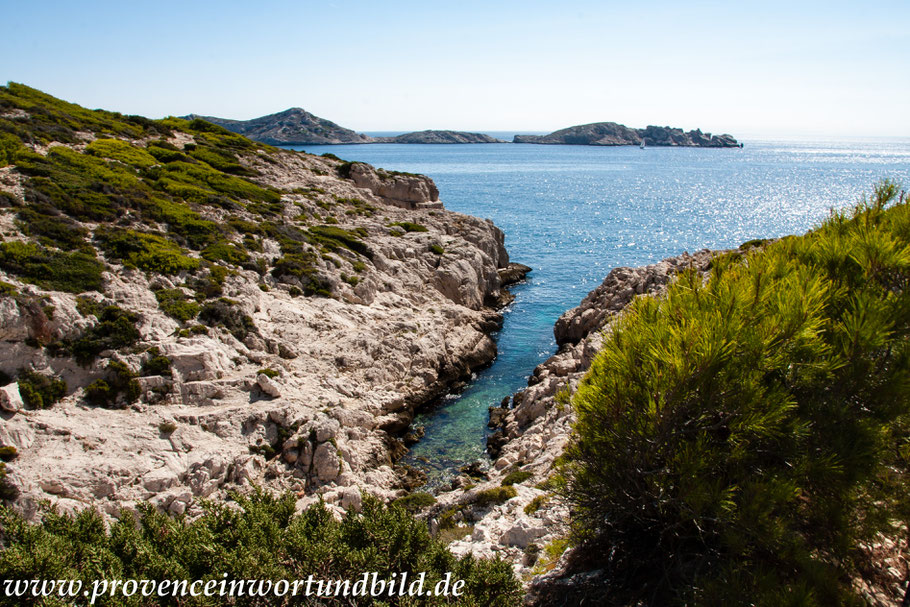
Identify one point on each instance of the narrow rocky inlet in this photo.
(510, 510)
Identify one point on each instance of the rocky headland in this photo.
(224, 315)
(294, 126)
(611, 133)
(439, 137)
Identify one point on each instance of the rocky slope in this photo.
(611, 133)
(439, 137)
(294, 126)
(272, 321)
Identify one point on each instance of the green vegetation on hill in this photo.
(737, 439)
(263, 539)
(121, 183)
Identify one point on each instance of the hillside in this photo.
(294, 126)
(185, 312)
(611, 133)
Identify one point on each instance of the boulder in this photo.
(326, 462)
(268, 385)
(10, 399)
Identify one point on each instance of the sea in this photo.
(573, 213)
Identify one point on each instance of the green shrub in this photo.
(82, 186)
(51, 119)
(149, 252)
(116, 149)
(10, 146)
(157, 364)
(165, 152)
(224, 251)
(116, 390)
(259, 537)
(88, 306)
(333, 238)
(301, 267)
(224, 313)
(7, 289)
(516, 477)
(210, 285)
(410, 226)
(737, 439)
(116, 329)
(271, 373)
(495, 495)
(535, 504)
(8, 200)
(176, 304)
(8, 453)
(53, 270)
(437, 249)
(414, 502)
(39, 391)
(221, 160)
(51, 228)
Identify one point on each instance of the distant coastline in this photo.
(296, 126)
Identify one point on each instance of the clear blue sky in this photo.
(748, 68)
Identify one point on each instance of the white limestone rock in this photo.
(10, 399)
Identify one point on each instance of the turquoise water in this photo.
(573, 213)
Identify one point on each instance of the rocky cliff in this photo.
(611, 133)
(294, 126)
(439, 137)
(184, 312)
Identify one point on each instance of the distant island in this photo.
(611, 133)
(296, 126)
(439, 137)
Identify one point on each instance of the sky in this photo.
(752, 69)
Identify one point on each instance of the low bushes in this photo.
(408, 226)
(49, 269)
(415, 502)
(116, 328)
(224, 313)
(495, 495)
(116, 390)
(176, 304)
(39, 391)
(259, 537)
(156, 364)
(50, 228)
(516, 477)
(116, 149)
(149, 252)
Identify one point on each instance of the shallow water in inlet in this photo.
(573, 213)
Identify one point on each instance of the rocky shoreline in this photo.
(510, 510)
